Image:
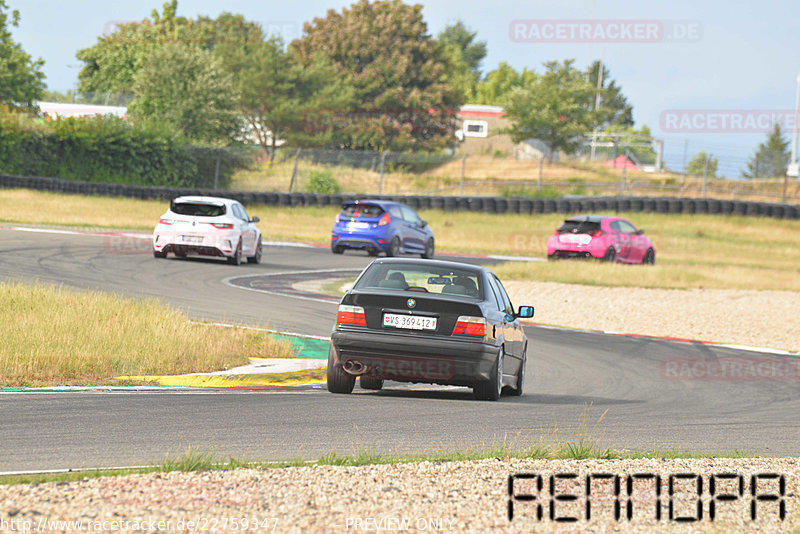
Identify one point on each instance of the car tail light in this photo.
(165, 221)
(222, 226)
(471, 326)
(597, 233)
(351, 315)
(385, 219)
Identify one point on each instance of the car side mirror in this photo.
(255, 220)
(639, 232)
(525, 312)
(423, 223)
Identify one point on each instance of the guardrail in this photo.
(671, 205)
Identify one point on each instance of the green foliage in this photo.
(282, 98)
(321, 181)
(398, 72)
(111, 64)
(186, 87)
(771, 158)
(464, 56)
(106, 149)
(698, 165)
(553, 108)
(21, 77)
(494, 89)
(544, 192)
(614, 109)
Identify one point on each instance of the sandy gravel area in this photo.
(756, 318)
(422, 497)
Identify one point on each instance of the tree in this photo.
(21, 77)
(495, 88)
(697, 167)
(398, 73)
(464, 57)
(111, 64)
(279, 97)
(552, 108)
(771, 158)
(614, 109)
(186, 87)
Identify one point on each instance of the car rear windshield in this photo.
(198, 209)
(578, 227)
(361, 211)
(423, 279)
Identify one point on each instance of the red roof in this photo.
(621, 162)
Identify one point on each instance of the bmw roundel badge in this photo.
(411, 303)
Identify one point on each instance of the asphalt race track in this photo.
(570, 374)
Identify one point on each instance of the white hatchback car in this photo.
(207, 226)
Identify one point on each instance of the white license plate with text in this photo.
(412, 322)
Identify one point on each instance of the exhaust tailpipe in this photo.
(354, 367)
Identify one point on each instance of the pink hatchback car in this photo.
(600, 236)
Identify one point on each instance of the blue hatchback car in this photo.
(381, 226)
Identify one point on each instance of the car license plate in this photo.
(192, 239)
(412, 322)
(357, 226)
(579, 239)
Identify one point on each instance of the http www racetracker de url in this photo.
(195, 524)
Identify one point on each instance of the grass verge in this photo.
(55, 336)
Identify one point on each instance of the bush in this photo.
(109, 149)
(322, 182)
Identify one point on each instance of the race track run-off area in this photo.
(630, 393)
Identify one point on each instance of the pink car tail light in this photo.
(597, 233)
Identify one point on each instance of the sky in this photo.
(711, 75)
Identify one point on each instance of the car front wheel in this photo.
(649, 257)
(611, 255)
(517, 391)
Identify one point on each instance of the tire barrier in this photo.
(526, 205)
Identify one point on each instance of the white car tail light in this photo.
(351, 315)
(165, 221)
(222, 226)
(471, 326)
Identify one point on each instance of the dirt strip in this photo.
(424, 497)
(756, 318)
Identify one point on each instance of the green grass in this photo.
(56, 336)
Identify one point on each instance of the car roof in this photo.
(432, 263)
(204, 199)
(590, 218)
(382, 203)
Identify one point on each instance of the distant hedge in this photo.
(110, 150)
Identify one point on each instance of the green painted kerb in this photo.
(306, 347)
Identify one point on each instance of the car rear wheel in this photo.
(611, 255)
(372, 251)
(649, 257)
(491, 389)
(394, 248)
(158, 254)
(367, 382)
(236, 259)
(337, 379)
(429, 246)
(517, 391)
(337, 250)
(256, 258)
